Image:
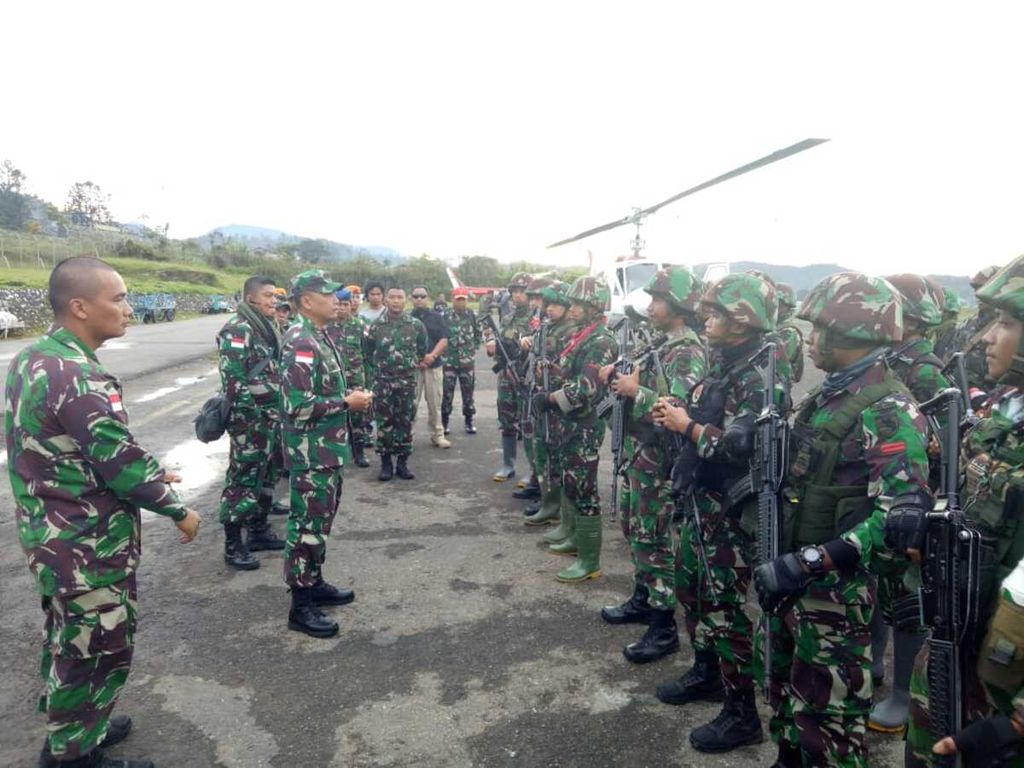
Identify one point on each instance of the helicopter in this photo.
(628, 275)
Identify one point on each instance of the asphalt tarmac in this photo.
(461, 649)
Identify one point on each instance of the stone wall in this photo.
(31, 306)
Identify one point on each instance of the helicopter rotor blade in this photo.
(781, 154)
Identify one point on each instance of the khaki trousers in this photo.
(430, 382)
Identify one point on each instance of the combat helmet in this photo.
(1005, 291)
(520, 282)
(786, 295)
(951, 304)
(556, 293)
(918, 298)
(746, 299)
(679, 286)
(854, 307)
(591, 290)
(982, 276)
(536, 284)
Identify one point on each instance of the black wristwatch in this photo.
(813, 558)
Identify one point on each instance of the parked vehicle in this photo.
(153, 307)
(218, 304)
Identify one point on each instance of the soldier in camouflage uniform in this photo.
(464, 338)
(248, 347)
(396, 344)
(513, 327)
(548, 507)
(348, 333)
(530, 488)
(649, 509)
(790, 335)
(742, 309)
(580, 431)
(857, 443)
(993, 455)
(316, 410)
(79, 481)
(969, 337)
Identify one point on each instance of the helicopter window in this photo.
(636, 276)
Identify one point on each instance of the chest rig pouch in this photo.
(814, 510)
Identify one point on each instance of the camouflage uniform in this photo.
(349, 338)
(993, 455)
(315, 437)
(464, 337)
(791, 337)
(394, 347)
(248, 342)
(513, 328)
(858, 439)
(79, 480)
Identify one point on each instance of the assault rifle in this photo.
(958, 367)
(771, 461)
(505, 362)
(528, 381)
(542, 341)
(949, 599)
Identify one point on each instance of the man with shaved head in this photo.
(79, 481)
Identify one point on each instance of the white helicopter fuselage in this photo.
(627, 278)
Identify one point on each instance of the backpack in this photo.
(212, 420)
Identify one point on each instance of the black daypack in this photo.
(212, 420)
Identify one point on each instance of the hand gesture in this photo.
(189, 526)
(626, 385)
(359, 400)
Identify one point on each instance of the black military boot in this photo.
(702, 683)
(660, 639)
(790, 757)
(323, 593)
(277, 508)
(636, 610)
(236, 554)
(531, 491)
(402, 469)
(470, 427)
(262, 537)
(118, 728)
(305, 616)
(444, 425)
(96, 759)
(533, 507)
(386, 470)
(359, 456)
(737, 725)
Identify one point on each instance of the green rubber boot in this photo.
(549, 508)
(562, 531)
(588, 561)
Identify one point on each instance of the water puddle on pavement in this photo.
(179, 383)
(199, 465)
(116, 344)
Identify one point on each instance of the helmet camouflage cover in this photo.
(555, 293)
(747, 299)
(1005, 289)
(786, 295)
(535, 286)
(520, 282)
(679, 286)
(982, 277)
(855, 307)
(919, 300)
(951, 304)
(591, 290)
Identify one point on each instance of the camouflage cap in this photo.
(313, 281)
(534, 288)
(520, 281)
(746, 299)
(855, 307)
(786, 295)
(919, 300)
(982, 277)
(591, 290)
(1005, 289)
(556, 293)
(678, 285)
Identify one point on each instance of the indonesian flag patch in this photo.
(238, 343)
(891, 449)
(115, 403)
(306, 358)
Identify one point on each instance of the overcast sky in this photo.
(461, 128)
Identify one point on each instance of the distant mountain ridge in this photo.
(804, 278)
(265, 237)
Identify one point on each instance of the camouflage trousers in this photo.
(578, 449)
(394, 407)
(647, 510)
(465, 376)
(688, 583)
(315, 494)
(508, 405)
(251, 471)
(87, 653)
(358, 422)
(820, 681)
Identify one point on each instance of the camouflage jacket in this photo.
(792, 338)
(349, 338)
(558, 335)
(916, 365)
(464, 337)
(241, 349)
(78, 476)
(684, 361)
(313, 390)
(395, 346)
(580, 362)
(514, 327)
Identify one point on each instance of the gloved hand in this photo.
(907, 521)
(541, 402)
(782, 578)
(985, 742)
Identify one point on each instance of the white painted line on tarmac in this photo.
(3, 458)
(116, 344)
(179, 383)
